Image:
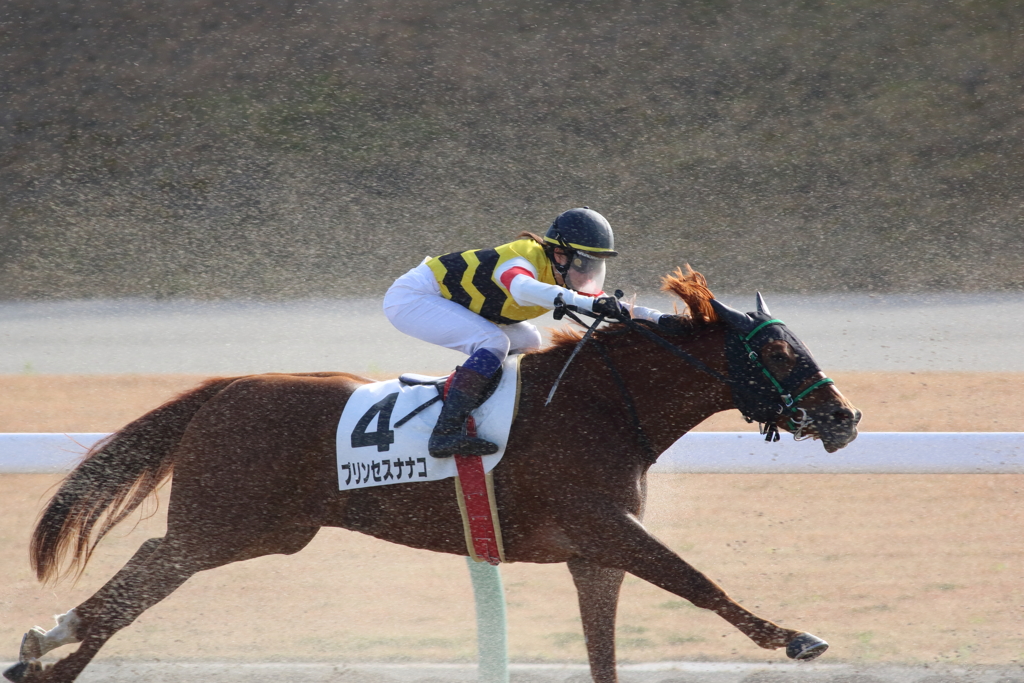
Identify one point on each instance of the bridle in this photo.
(762, 401)
(766, 407)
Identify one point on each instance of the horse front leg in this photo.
(597, 589)
(618, 539)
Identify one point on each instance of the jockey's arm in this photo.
(644, 313)
(520, 279)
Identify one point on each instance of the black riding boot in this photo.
(449, 437)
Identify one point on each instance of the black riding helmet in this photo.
(582, 229)
(587, 239)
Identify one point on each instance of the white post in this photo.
(491, 627)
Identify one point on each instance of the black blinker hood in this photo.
(759, 400)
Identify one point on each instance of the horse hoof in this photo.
(31, 647)
(19, 671)
(805, 647)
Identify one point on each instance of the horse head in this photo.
(777, 382)
(774, 379)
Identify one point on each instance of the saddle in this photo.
(384, 428)
(412, 379)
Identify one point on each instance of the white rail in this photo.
(738, 453)
(43, 453)
(697, 452)
(871, 452)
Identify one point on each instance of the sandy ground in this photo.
(897, 568)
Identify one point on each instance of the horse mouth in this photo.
(833, 444)
(838, 428)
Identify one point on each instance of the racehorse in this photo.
(254, 473)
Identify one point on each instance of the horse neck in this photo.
(672, 396)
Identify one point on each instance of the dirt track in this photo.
(887, 568)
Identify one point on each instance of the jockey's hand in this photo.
(609, 307)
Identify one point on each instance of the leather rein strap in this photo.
(650, 455)
(769, 429)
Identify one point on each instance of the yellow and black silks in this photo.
(467, 278)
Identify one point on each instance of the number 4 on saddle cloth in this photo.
(384, 429)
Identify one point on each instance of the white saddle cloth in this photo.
(373, 450)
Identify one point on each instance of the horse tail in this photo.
(113, 479)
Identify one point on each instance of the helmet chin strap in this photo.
(562, 270)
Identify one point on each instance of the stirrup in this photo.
(447, 445)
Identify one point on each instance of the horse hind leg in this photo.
(38, 641)
(156, 570)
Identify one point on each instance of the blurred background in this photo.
(297, 148)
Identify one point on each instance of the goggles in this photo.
(585, 273)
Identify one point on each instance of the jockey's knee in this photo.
(495, 342)
(523, 337)
(487, 359)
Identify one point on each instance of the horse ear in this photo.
(732, 317)
(762, 307)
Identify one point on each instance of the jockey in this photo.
(478, 302)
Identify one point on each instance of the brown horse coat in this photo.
(255, 473)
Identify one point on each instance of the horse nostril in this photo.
(844, 414)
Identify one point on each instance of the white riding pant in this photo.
(415, 306)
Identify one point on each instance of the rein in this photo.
(768, 428)
(645, 443)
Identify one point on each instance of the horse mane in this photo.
(692, 288)
(688, 285)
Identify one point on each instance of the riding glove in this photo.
(610, 307)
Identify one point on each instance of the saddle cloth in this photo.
(379, 444)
